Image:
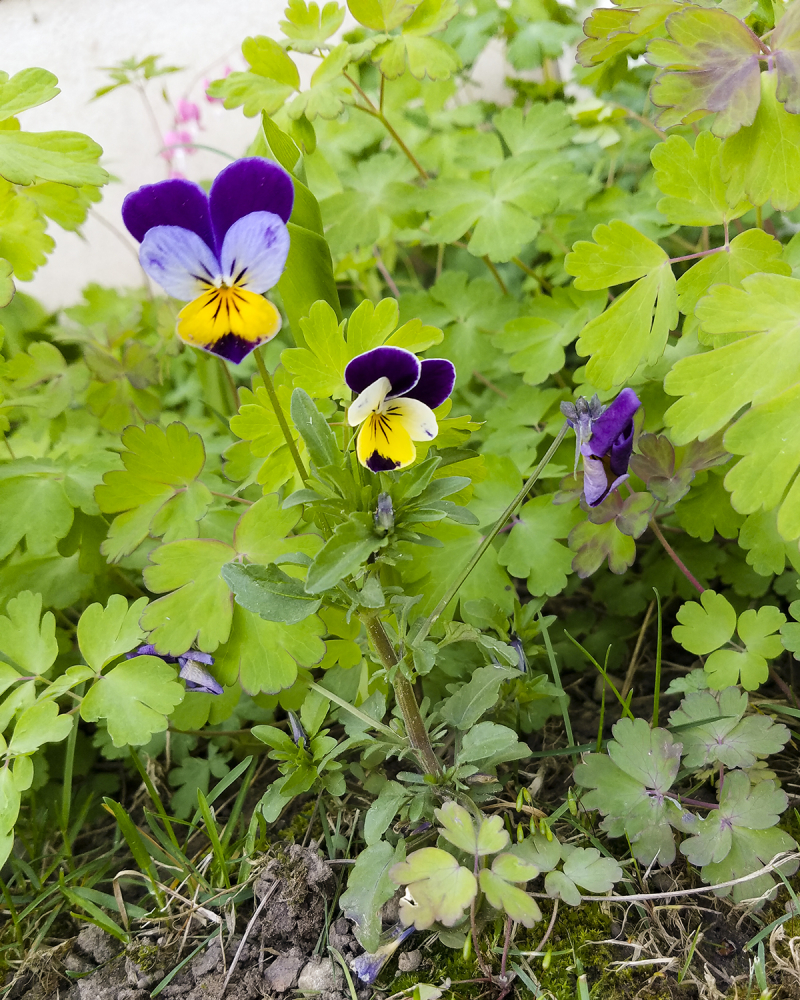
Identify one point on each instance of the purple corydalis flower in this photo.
(397, 394)
(604, 438)
(218, 251)
(196, 678)
(368, 966)
(299, 735)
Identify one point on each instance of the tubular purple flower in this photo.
(604, 438)
(397, 394)
(196, 678)
(218, 251)
(368, 966)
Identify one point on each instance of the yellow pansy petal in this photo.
(368, 401)
(384, 444)
(417, 418)
(229, 322)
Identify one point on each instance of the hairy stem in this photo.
(276, 406)
(454, 588)
(404, 693)
(676, 558)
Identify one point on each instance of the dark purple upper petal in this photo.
(249, 185)
(612, 422)
(436, 380)
(400, 366)
(197, 657)
(175, 202)
(621, 451)
(148, 649)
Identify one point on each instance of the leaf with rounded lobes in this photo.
(134, 699)
(382, 15)
(538, 851)
(314, 430)
(531, 549)
(106, 633)
(560, 886)
(707, 509)
(790, 633)
(594, 543)
(756, 630)
(725, 667)
(705, 626)
(369, 886)
(271, 79)
(38, 725)
(691, 180)
(619, 254)
(28, 644)
(27, 89)
(6, 282)
(310, 25)
(611, 31)
(709, 63)
(458, 827)
(503, 895)
(440, 889)
(784, 44)
(733, 740)
(65, 157)
(588, 869)
(544, 128)
(329, 91)
(514, 869)
(269, 592)
(646, 755)
(264, 655)
(762, 161)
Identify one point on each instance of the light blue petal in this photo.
(179, 261)
(254, 251)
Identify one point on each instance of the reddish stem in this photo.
(676, 558)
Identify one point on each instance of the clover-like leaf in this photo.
(736, 838)
(560, 886)
(438, 886)
(705, 626)
(587, 868)
(134, 699)
(537, 850)
(309, 25)
(501, 887)
(731, 739)
(709, 63)
(458, 827)
(105, 633)
(158, 492)
(329, 91)
(790, 632)
(28, 643)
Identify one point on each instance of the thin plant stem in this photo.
(562, 696)
(230, 496)
(69, 764)
(506, 946)
(645, 121)
(700, 253)
(524, 267)
(550, 927)
(495, 274)
(759, 217)
(454, 588)
(404, 694)
(276, 406)
(196, 145)
(385, 273)
(628, 683)
(370, 109)
(676, 558)
(226, 374)
(657, 689)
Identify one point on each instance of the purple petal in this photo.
(254, 252)
(380, 463)
(612, 422)
(436, 380)
(400, 366)
(198, 679)
(176, 202)
(197, 657)
(232, 348)
(621, 450)
(148, 649)
(249, 185)
(179, 261)
(595, 480)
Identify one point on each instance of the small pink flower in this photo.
(186, 111)
(174, 141)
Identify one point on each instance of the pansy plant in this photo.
(397, 394)
(604, 439)
(218, 251)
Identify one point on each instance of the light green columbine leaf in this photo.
(619, 254)
(24, 243)
(27, 89)
(762, 161)
(756, 630)
(725, 667)
(329, 91)
(310, 25)
(38, 725)
(766, 550)
(439, 887)
(6, 282)
(709, 53)
(29, 643)
(705, 626)
(158, 492)
(106, 633)
(587, 868)
(543, 129)
(707, 509)
(537, 850)
(65, 157)
(500, 885)
(593, 544)
(560, 886)
(790, 633)
(532, 550)
(610, 30)
(382, 15)
(271, 79)
(33, 505)
(134, 699)
(457, 826)
(733, 740)
(369, 886)
(691, 180)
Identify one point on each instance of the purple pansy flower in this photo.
(604, 437)
(196, 678)
(397, 394)
(219, 251)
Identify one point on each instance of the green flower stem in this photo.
(454, 588)
(276, 406)
(404, 693)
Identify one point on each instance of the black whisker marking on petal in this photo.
(240, 275)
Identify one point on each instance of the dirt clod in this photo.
(409, 961)
(284, 972)
(320, 974)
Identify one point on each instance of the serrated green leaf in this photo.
(382, 15)
(272, 78)
(705, 626)
(421, 55)
(691, 180)
(619, 254)
(707, 509)
(709, 63)
(544, 128)
(158, 491)
(532, 550)
(65, 157)
(34, 507)
(329, 91)
(612, 31)
(438, 887)
(106, 633)
(369, 886)
(23, 240)
(134, 699)
(26, 89)
(30, 644)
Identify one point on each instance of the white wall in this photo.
(73, 38)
